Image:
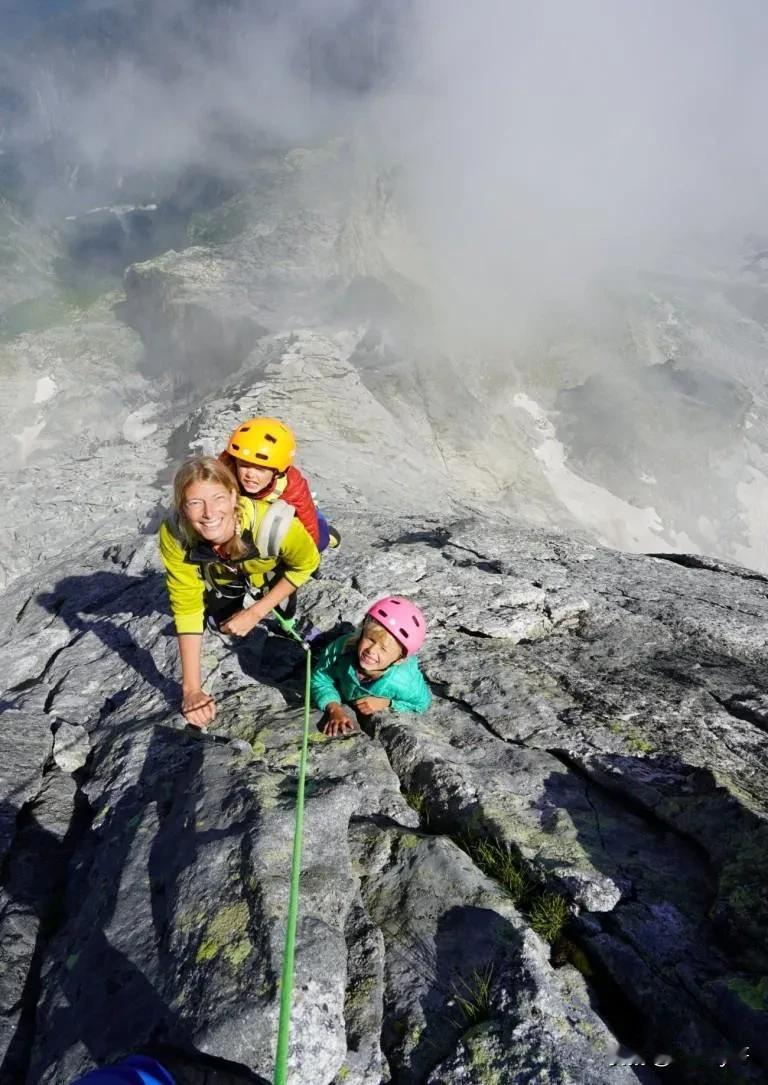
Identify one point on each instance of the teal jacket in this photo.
(335, 678)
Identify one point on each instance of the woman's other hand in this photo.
(198, 708)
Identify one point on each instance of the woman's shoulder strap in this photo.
(268, 522)
(273, 526)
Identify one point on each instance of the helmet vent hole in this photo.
(269, 437)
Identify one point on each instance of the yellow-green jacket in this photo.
(192, 566)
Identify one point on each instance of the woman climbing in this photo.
(218, 547)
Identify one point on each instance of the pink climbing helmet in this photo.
(402, 619)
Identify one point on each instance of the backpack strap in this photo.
(273, 528)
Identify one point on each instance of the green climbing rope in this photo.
(286, 983)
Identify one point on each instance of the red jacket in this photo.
(292, 488)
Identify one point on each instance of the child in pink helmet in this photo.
(373, 669)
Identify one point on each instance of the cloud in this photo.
(540, 146)
(136, 85)
(546, 144)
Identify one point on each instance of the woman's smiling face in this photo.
(210, 509)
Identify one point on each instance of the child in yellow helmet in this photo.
(260, 452)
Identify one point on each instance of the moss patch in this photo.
(632, 738)
(742, 900)
(639, 744)
(486, 1070)
(361, 994)
(226, 933)
(752, 992)
(417, 800)
(567, 952)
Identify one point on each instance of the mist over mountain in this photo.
(579, 195)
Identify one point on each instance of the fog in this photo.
(130, 89)
(551, 163)
(547, 144)
(529, 136)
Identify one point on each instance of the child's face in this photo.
(253, 479)
(377, 649)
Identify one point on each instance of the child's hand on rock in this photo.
(336, 721)
(366, 706)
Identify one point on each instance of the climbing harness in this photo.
(286, 982)
(267, 533)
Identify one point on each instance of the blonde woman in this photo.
(218, 547)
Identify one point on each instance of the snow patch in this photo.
(615, 522)
(45, 389)
(137, 426)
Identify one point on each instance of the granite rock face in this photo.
(81, 435)
(617, 751)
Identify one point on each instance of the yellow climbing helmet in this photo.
(265, 442)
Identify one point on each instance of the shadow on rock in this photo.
(453, 971)
(680, 962)
(273, 658)
(104, 604)
(110, 978)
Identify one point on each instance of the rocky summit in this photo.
(556, 875)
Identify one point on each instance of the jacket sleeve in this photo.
(298, 494)
(324, 688)
(184, 586)
(414, 695)
(299, 556)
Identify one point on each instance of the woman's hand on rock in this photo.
(198, 708)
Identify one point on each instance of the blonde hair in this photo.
(206, 469)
